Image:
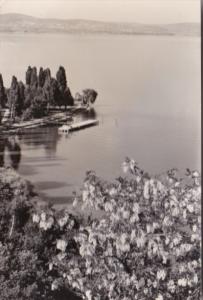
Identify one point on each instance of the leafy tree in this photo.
(39, 106)
(89, 95)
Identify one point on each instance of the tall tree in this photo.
(65, 93)
(61, 79)
(21, 94)
(14, 101)
(34, 79)
(68, 98)
(28, 75)
(41, 77)
(3, 97)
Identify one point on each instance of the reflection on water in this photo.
(48, 142)
(10, 145)
(90, 114)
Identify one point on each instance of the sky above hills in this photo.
(142, 11)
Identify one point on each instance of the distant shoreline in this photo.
(100, 34)
(12, 23)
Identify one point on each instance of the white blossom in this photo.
(190, 208)
(54, 286)
(182, 282)
(85, 196)
(159, 297)
(61, 245)
(35, 218)
(43, 216)
(195, 279)
(88, 294)
(146, 190)
(171, 286)
(161, 274)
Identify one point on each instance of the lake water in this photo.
(148, 106)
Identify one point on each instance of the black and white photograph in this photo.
(100, 150)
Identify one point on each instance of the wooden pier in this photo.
(78, 125)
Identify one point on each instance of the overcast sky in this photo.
(143, 11)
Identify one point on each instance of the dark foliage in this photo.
(3, 98)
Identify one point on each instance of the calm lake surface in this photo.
(148, 105)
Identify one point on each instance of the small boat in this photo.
(80, 125)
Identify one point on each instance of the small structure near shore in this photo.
(77, 126)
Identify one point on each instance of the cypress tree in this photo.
(61, 79)
(16, 97)
(3, 97)
(34, 79)
(41, 77)
(68, 98)
(13, 96)
(21, 95)
(28, 76)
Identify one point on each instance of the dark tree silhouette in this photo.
(28, 76)
(34, 78)
(2, 149)
(14, 98)
(21, 95)
(47, 73)
(40, 92)
(38, 106)
(68, 98)
(3, 98)
(61, 79)
(41, 77)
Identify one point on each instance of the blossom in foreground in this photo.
(161, 274)
(61, 245)
(171, 286)
(46, 224)
(182, 282)
(35, 218)
(88, 294)
(159, 297)
(54, 285)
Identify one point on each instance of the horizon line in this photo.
(96, 20)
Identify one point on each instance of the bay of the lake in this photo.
(148, 106)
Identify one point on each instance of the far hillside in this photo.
(23, 23)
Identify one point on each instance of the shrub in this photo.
(146, 244)
(140, 241)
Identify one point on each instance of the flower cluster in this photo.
(141, 239)
(146, 242)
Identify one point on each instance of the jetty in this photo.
(77, 126)
(51, 120)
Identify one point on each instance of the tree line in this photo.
(33, 98)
